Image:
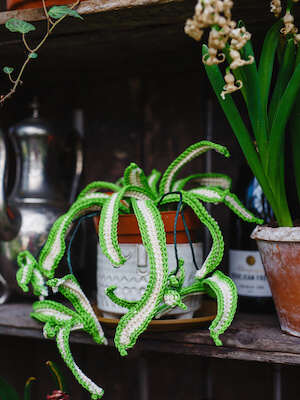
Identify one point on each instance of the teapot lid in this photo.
(34, 125)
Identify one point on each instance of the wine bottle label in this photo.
(247, 272)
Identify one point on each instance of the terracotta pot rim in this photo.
(129, 232)
(278, 234)
(170, 212)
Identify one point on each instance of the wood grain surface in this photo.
(249, 338)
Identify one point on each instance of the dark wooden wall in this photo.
(167, 376)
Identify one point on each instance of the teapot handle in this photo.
(10, 220)
(4, 290)
(78, 125)
(78, 167)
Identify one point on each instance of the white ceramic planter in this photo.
(132, 278)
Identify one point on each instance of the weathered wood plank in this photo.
(250, 338)
(247, 332)
(222, 352)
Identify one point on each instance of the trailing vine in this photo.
(55, 15)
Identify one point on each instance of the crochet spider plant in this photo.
(143, 196)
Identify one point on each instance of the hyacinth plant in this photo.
(143, 196)
(271, 94)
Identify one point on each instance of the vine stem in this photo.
(48, 33)
(25, 43)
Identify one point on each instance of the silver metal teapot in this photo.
(46, 176)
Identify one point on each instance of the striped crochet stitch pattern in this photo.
(144, 196)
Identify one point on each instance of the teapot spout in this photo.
(10, 220)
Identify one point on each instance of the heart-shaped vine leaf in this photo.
(8, 70)
(17, 25)
(58, 12)
(32, 55)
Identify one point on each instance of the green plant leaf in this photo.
(233, 116)
(59, 379)
(7, 392)
(241, 132)
(32, 55)
(27, 388)
(295, 133)
(58, 12)
(266, 63)
(8, 70)
(286, 70)
(254, 104)
(278, 130)
(17, 25)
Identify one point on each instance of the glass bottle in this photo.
(245, 267)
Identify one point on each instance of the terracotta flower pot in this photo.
(280, 253)
(128, 229)
(23, 4)
(131, 278)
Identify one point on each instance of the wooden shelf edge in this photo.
(249, 338)
(85, 8)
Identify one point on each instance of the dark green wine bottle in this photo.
(245, 267)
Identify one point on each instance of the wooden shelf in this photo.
(249, 338)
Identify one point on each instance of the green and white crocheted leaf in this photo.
(224, 290)
(60, 321)
(215, 255)
(221, 181)
(134, 176)
(108, 229)
(38, 284)
(192, 152)
(217, 250)
(175, 283)
(193, 289)
(49, 310)
(209, 195)
(138, 193)
(62, 340)
(55, 246)
(108, 225)
(176, 278)
(29, 273)
(217, 195)
(153, 181)
(97, 186)
(209, 179)
(71, 290)
(136, 320)
(173, 299)
(27, 263)
(110, 292)
(232, 201)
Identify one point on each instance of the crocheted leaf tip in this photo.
(60, 321)
(224, 290)
(144, 196)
